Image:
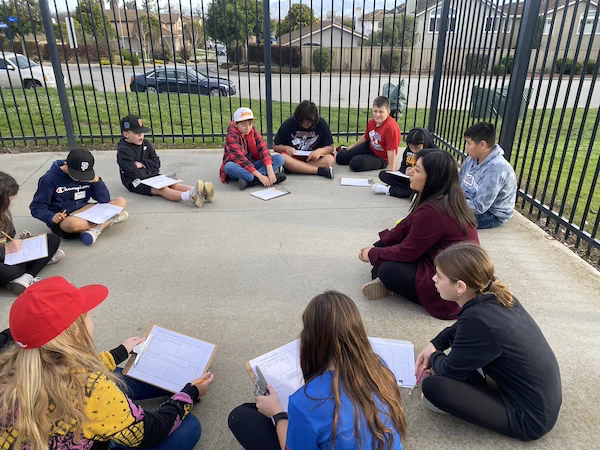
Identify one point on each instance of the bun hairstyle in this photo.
(471, 264)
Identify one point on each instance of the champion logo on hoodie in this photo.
(63, 189)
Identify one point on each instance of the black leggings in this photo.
(9, 273)
(399, 187)
(360, 159)
(253, 430)
(475, 403)
(398, 277)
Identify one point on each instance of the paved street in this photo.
(342, 91)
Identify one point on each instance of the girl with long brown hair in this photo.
(349, 399)
(494, 338)
(403, 257)
(58, 392)
(19, 276)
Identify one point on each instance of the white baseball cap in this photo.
(242, 114)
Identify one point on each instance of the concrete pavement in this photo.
(239, 273)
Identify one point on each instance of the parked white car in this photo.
(18, 71)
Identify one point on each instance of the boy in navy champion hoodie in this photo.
(65, 190)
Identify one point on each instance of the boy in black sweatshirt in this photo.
(137, 161)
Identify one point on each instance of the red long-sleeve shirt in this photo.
(419, 238)
(237, 149)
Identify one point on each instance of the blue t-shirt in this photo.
(310, 411)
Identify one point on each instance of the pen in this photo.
(417, 382)
(140, 354)
(7, 235)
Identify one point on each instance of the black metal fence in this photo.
(529, 67)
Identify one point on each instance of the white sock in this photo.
(185, 196)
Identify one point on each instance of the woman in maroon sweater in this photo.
(403, 258)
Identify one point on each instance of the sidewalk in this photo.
(239, 273)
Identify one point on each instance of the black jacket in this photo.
(508, 346)
(409, 159)
(128, 154)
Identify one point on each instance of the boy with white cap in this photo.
(246, 158)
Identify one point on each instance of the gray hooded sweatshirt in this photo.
(490, 186)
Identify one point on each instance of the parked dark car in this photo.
(182, 80)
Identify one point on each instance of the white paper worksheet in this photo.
(399, 357)
(270, 193)
(303, 152)
(99, 213)
(281, 369)
(160, 181)
(356, 182)
(171, 360)
(33, 248)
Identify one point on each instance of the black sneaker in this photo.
(281, 177)
(242, 184)
(286, 171)
(326, 172)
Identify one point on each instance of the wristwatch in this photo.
(280, 416)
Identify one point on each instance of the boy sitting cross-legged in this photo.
(138, 160)
(246, 158)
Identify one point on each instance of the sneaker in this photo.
(197, 194)
(242, 184)
(25, 235)
(56, 257)
(18, 285)
(375, 290)
(209, 192)
(340, 148)
(89, 237)
(281, 177)
(430, 406)
(326, 172)
(379, 188)
(286, 171)
(122, 216)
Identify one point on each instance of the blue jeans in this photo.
(234, 171)
(184, 438)
(487, 220)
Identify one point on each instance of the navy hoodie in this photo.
(57, 191)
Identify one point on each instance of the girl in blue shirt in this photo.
(349, 400)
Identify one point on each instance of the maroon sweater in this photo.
(419, 238)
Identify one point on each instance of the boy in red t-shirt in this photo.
(377, 148)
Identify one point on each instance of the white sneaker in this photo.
(89, 237)
(122, 216)
(56, 257)
(430, 406)
(18, 285)
(197, 194)
(379, 188)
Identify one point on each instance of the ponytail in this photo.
(500, 290)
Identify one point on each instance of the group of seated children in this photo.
(69, 396)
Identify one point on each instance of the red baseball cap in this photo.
(48, 308)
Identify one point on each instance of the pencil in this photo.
(417, 382)
(196, 383)
(7, 235)
(65, 211)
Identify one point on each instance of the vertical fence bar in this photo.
(439, 62)
(518, 76)
(60, 81)
(268, 85)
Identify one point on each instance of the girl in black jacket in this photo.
(493, 338)
(397, 186)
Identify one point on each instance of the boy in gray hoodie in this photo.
(487, 178)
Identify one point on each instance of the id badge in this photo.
(136, 182)
(79, 195)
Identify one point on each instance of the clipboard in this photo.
(171, 363)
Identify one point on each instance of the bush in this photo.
(476, 64)
(568, 62)
(159, 61)
(504, 66)
(132, 57)
(105, 62)
(185, 54)
(590, 67)
(390, 61)
(164, 55)
(322, 59)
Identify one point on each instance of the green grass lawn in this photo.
(97, 114)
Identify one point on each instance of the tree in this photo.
(93, 20)
(147, 32)
(232, 21)
(298, 16)
(193, 36)
(348, 22)
(395, 32)
(29, 18)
